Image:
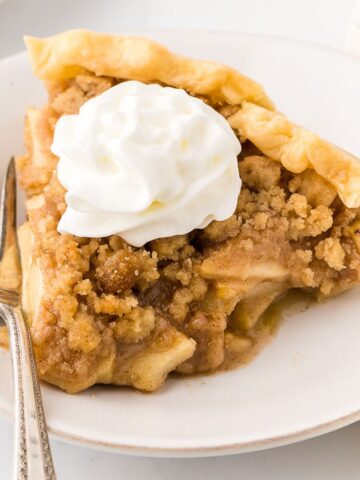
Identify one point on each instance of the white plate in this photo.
(306, 382)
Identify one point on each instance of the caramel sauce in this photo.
(294, 301)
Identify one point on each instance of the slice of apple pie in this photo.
(178, 290)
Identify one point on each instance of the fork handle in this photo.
(32, 449)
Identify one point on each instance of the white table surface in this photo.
(333, 456)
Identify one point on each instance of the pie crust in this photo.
(102, 311)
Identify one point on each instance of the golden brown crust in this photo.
(68, 54)
(298, 149)
(71, 53)
(103, 312)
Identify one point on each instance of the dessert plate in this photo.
(305, 382)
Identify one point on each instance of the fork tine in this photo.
(8, 209)
(10, 270)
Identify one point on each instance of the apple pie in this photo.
(104, 311)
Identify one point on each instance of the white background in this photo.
(332, 457)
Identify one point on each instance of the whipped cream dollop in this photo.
(144, 162)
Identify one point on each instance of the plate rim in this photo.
(221, 448)
(197, 452)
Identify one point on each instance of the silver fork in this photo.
(33, 459)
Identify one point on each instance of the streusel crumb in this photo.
(106, 303)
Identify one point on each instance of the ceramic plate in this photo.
(306, 381)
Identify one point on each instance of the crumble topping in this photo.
(104, 302)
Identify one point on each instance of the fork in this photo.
(33, 459)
